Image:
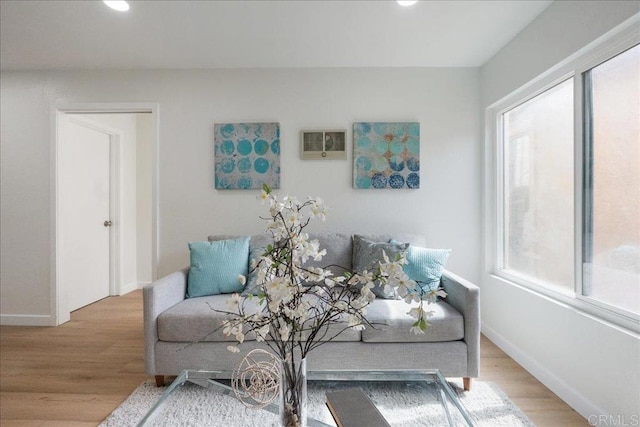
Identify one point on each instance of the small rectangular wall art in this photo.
(386, 155)
(323, 144)
(246, 155)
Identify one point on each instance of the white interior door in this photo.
(83, 208)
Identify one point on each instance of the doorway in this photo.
(105, 227)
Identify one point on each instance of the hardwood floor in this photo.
(539, 403)
(77, 373)
(74, 374)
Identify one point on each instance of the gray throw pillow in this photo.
(368, 254)
(257, 247)
(251, 287)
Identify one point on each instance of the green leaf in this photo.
(266, 188)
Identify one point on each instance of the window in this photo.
(567, 182)
(612, 182)
(538, 188)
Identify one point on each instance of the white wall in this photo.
(446, 208)
(592, 365)
(144, 184)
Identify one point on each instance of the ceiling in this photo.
(254, 34)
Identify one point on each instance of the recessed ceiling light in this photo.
(407, 2)
(119, 5)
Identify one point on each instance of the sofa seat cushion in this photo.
(196, 319)
(393, 322)
(339, 330)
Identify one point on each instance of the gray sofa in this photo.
(178, 330)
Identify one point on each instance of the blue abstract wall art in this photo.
(246, 155)
(386, 155)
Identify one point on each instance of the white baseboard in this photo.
(131, 287)
(563, 390)
(25, 320)
(47, 320)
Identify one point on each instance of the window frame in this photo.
(606, 47)
(501, 186)
(585, 175)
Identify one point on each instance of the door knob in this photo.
(107, 223)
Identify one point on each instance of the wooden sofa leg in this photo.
(160, 381)
(466, 383)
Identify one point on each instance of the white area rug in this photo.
(196, 406)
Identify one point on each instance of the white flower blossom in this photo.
(261, 333)
(355, 323)
(341, 305)
(434, 294)
(299, 313)
(416, 312)
(360, 304)
(318, 209)
(261, 276)
(331, 282)
(416, 330)
(292, 219)
(278, 290)
(284, 331)
(231, 329)
(411, 297)
(234, 302)
(366, 289)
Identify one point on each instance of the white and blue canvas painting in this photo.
(246, 155)
(386, 155)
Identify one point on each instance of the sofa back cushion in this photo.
(412, 239)
(338, 257)
(339, 249)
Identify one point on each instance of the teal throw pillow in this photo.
(425, 266)
(367, 256)
(215, 267)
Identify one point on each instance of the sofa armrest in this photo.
(464, 296)
(158, 297)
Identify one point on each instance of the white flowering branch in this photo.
(295, 315)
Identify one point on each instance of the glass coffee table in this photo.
(420, 397)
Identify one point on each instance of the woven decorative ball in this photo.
(256, 379)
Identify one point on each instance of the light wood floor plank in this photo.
(75, 374)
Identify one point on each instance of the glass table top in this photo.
(420, 397)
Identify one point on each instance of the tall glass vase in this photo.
(293, 393)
